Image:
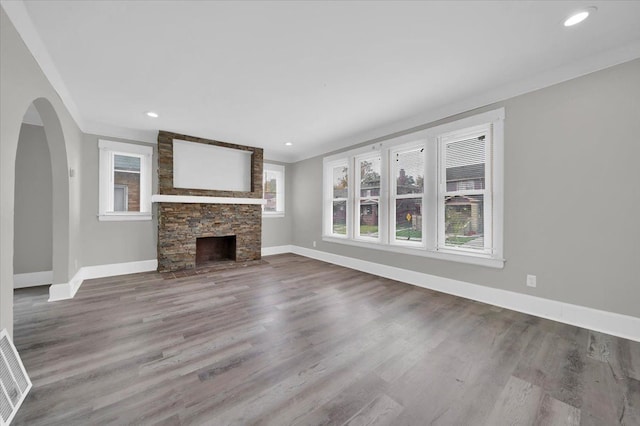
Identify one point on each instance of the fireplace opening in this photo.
(215, 249)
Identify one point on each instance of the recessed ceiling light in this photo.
(578, 17)
(288, 143)
(152, 114)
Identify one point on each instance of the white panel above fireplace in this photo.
(203, 166)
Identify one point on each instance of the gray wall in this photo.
(572, 203)
(106, 242)
(276, 231)
(33, 203)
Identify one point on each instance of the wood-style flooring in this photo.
(295, 341)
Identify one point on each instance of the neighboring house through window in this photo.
(273, 189)
(125, 181)
(435, 193)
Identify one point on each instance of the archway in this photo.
(33, 206)
(59, 176)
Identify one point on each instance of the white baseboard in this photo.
(32, 279)
(612, 323)
(68, 290)
(269, 251)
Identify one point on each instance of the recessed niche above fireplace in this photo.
(204, 166)
(200, 159)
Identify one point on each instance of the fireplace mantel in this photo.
(194, 199)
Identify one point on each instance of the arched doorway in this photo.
(33, 206)
(51, 129)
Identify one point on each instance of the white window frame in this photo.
(279, 171)
(108, 150)
(433, 210)
(327, 191)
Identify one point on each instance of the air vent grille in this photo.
(14, 382)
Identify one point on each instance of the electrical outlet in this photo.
(314, 243)
(531, 281)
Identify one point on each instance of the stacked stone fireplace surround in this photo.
(180, 224)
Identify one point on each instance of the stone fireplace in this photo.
(197, 227)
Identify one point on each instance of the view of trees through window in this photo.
(436, 192)
(369, 197)
(270, 191)
(409, 181)
(340, 194)
(273, 190)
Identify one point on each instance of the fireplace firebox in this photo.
(215, 249)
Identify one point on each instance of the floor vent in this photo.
(14, 381)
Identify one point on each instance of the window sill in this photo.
(470, 258)
(270, 215)
(124, 217)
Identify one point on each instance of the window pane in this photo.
(464, 221)
(270, 191)
(340, 183)
(409, 219)
(369, 218)
(370, 177)
(127, 163)
(465, 164)
(339, 222)
(409, 172)
(126, 191)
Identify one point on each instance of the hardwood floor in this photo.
(298, 341)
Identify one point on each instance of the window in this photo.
(435, 193)
(464, 198)
(336, 189)
(125, 181)
(273, 190)
(408, 195)
(368, 199)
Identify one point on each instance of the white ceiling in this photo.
(319, 74)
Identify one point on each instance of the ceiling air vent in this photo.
(14, 382)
